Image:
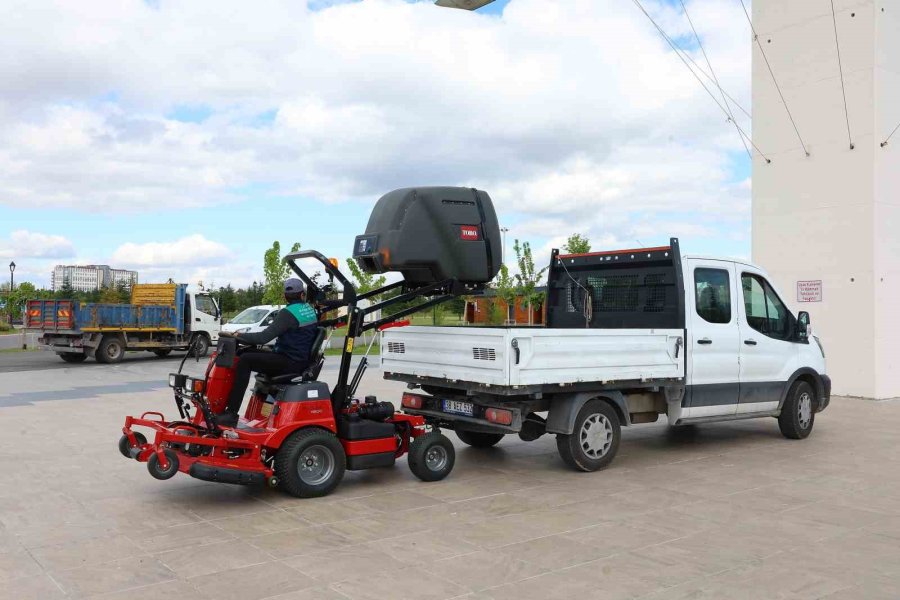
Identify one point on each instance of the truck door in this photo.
(205, 315)
(713, 339)
(769, 352)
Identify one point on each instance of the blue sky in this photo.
(143, 163)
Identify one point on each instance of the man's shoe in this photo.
(227, 419)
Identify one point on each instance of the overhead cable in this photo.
(697, 77)
(885, 142)
(774, 80)
(837, 45)
(715, 78)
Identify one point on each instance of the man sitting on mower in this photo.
(295, 330)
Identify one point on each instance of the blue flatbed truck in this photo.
(160, 318)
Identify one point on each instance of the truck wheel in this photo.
(200, 345)
(431, 456)
(111, 350)
(153, 465)
(310, 463)
(594, 441)
(163, 352)
(798, 412)
(125, 446)
(71, 357)
(477, 439)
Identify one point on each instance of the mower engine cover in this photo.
(432, 234)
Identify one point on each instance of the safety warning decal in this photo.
(809, 291)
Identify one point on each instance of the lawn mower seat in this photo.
(316, 356)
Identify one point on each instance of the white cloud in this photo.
(193, 251)
(23, 244)
(575, 112)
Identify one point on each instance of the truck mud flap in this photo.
(225, 475)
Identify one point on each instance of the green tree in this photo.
(365, 282)
(276, 271)
(505, 289)
(577, 244)
(528, 278)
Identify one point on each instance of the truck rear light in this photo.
(412, 401)
(499, 416)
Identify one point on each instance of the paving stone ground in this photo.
(718, 511)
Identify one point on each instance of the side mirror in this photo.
(804, 328)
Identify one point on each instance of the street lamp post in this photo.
(9, 300)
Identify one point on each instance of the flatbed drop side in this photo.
(631, 335)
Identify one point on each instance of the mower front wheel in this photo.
(156, 469)
(310, 463)
(431, 456)
(125, 445)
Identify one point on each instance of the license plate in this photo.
(459, 408)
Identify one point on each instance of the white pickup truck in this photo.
(630, 335)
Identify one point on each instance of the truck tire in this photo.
(477, 439)
(71, 357)
(111, 350)
(310, 463)
(798, 413)
(163, 352)
(200, 345)
(594, 441)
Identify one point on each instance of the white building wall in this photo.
(833, 216)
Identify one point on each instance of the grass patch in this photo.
(358, 349)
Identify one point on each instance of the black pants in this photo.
(269, 363)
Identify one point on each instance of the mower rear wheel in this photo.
(125, 445)
(310, 463)
(431, 456)
(156, 469)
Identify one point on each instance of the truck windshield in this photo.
(250, 316)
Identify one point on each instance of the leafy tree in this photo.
(109, 295)
(276, 272)
(505, 289)
(577, 244)
(365, 282)
(527, 279)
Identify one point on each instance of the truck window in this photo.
(766, 313)
(206, 305)
(713, 290)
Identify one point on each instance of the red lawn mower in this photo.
(296, 433)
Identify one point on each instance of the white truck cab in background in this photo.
(631, 335)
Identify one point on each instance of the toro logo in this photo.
(469, 232)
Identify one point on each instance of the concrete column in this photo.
(833, 216)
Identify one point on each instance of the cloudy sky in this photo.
(182, 137)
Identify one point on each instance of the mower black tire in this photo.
(125, 446)
(72, 357)
(162, 353)
(594, 441)
(111, 350)
(477, 439)
(310, 463)
(431, 456)
(157, 471)
(199, 345)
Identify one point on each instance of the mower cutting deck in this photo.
(297, 434)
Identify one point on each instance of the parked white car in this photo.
(253, 319)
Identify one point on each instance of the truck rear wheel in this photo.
(477, 439)
(163, 352)
(798, 414)
(594, 441)
(111, 350)
(71, 357)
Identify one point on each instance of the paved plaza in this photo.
(718, 511)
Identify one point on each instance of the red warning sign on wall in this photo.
(809, 291)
